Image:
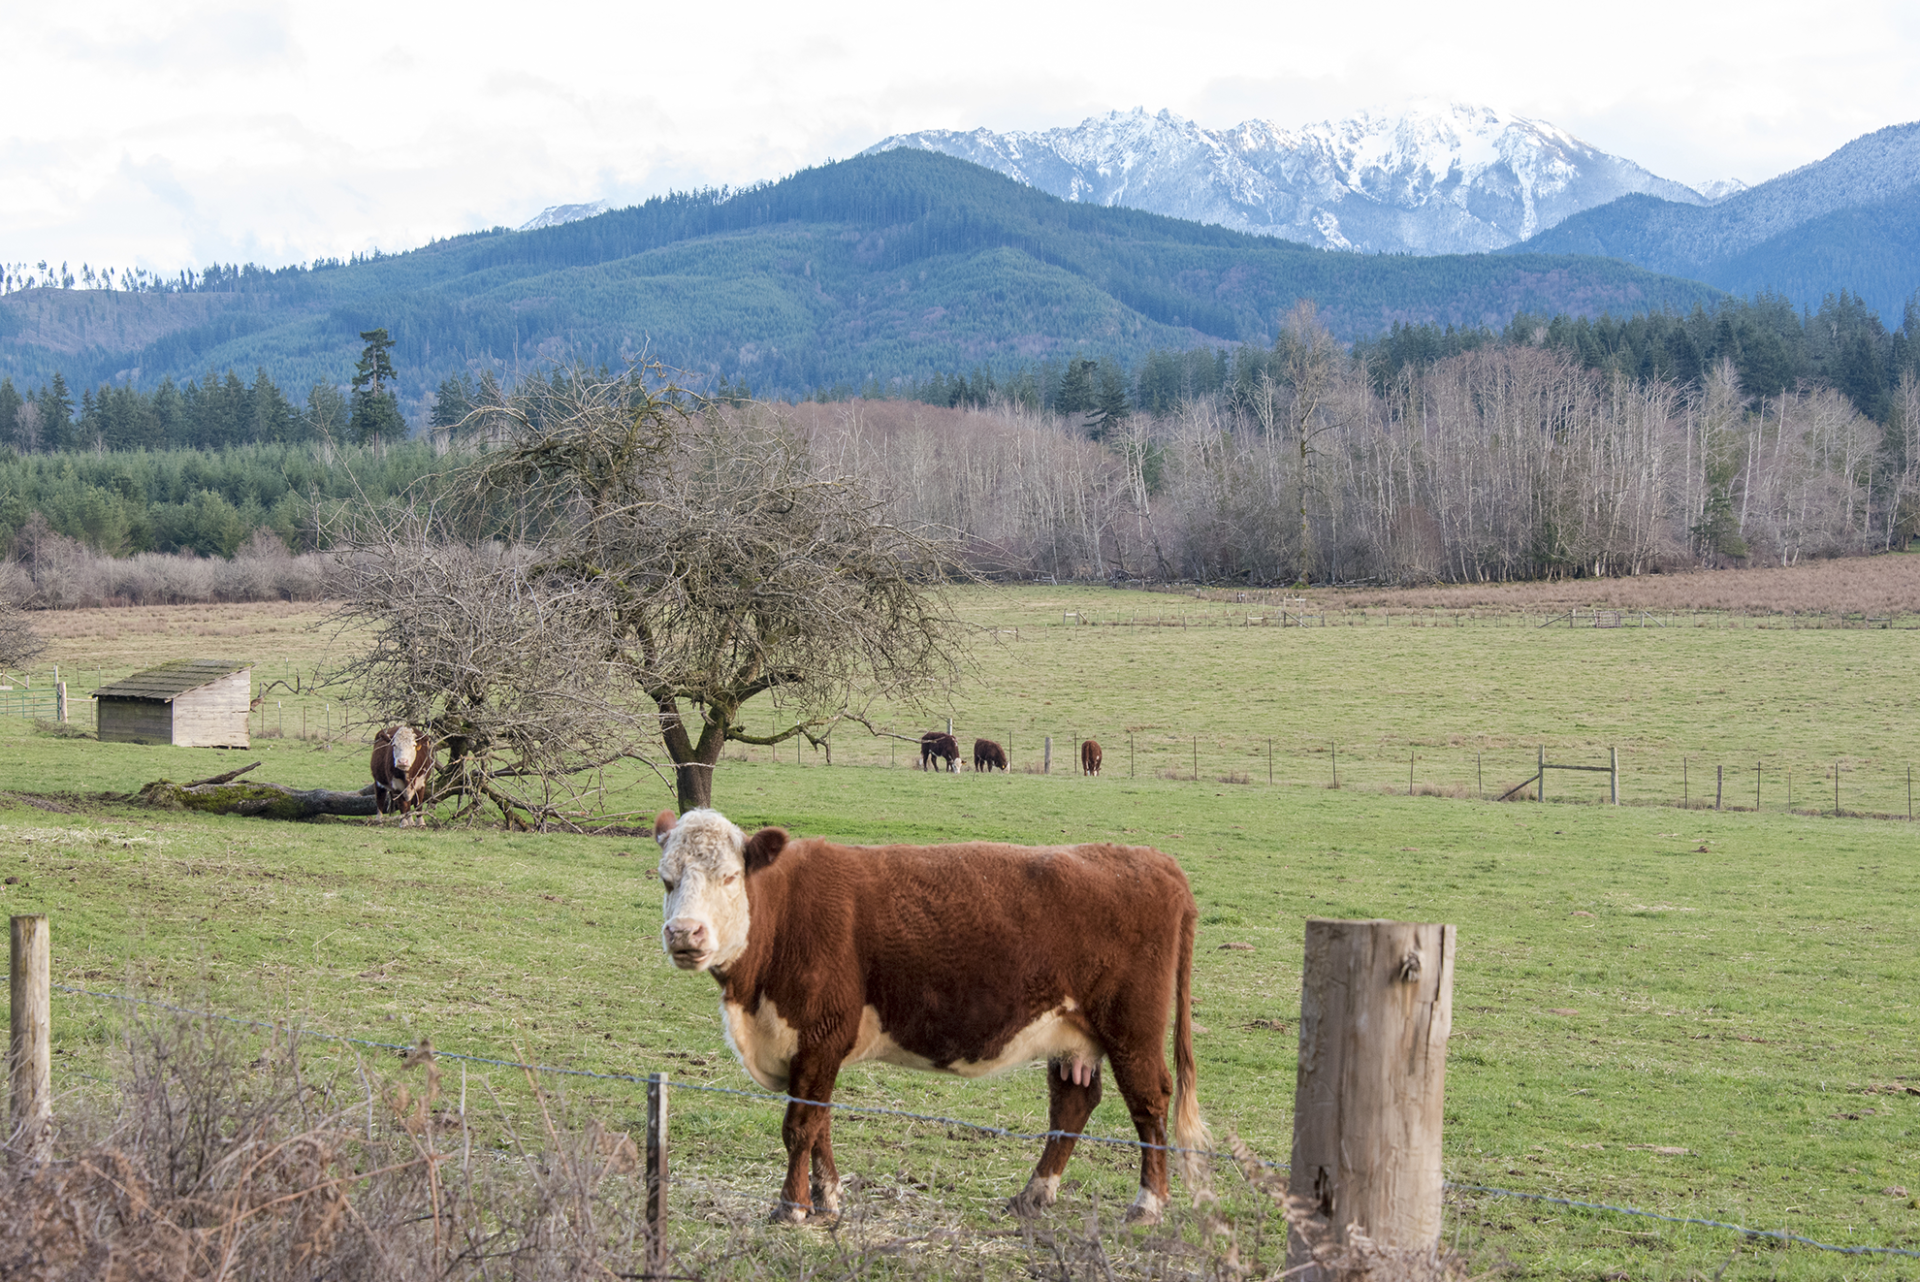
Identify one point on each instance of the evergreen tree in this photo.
(452, 403)
(1077, 394)
(56, 414)
(10, 403)
(376, 411)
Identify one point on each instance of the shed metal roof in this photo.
(171, 680)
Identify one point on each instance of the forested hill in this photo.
(885, 267)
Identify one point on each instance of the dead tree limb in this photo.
(259, 800)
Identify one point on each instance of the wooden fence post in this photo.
(1719, 783)
(1540, 779)
(1613, 775)
(60, 702)
(1046, 756)
(1376, 1006)
(30, 1050)
(657, 1174)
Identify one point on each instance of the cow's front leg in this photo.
(808, 1133)
(1073, 1090)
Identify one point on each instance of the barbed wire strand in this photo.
(1778, 1235)
(1000, 1132)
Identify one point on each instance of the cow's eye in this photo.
(730, 878)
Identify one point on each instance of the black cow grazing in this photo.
(938, 743)
(402, 763)
(987, 754)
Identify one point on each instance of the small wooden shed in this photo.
(190, 703)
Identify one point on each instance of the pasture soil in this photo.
(1703, 1013)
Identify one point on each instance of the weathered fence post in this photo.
(1540, 779)
(1613, 774)
(1046, 756)
(1376, 1006)
(60, 702)
(1719, 783)
(657, 1174)
(30, 1049)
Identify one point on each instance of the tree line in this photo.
(214, 413)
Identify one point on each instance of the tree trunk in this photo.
(693, 762)
(263, 800)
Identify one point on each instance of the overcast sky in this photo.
(179, 133)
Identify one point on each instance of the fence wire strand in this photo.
(1777, 1235)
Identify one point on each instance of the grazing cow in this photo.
(402, 763)
(987, 754)
(967, 959)
(938, 743)
(1089, 758)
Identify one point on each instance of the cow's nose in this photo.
(684, 936)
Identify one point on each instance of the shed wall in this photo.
(135, 721)
(215, 715)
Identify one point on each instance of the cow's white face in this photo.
(403, 749)
(703, 866)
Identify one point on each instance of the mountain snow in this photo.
(1718, 189)
(554, 215)
(1436, 179)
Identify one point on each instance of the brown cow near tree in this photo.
(967, 959)
(987, 755)
(402, 766)
(940, 744)
(1089, 758)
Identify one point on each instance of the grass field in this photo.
(1704, 1014)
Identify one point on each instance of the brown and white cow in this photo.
(1089, 757)
(967, 959)
(402, 767)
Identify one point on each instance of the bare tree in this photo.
(657, 569)
(19, 642)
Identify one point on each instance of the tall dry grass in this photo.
(213, 1156)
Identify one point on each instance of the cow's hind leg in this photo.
(1147, 1087)
(1073, 1090)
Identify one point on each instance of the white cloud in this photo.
(178, 134)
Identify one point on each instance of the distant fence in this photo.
(1856, 785)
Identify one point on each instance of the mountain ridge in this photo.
(1851, 210)
(888, 266)
(1450, 178)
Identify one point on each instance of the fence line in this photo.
(1779, 1235)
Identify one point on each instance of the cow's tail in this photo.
(1189, 1132)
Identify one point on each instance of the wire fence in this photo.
(285, 1028)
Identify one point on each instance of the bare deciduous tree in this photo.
(628, 569)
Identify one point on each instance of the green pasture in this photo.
(1703, 1014)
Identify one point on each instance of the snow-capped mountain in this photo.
(1434, 180)
(554, 215)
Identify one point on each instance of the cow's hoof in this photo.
(787, 1213)
(1035, 1198)
(1145, 1209)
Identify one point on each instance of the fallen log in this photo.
(257, 800)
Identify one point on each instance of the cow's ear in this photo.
(764, 847)
(662, 825)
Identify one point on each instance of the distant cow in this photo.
(1089, 758)
(967, 959)
(402, 762)
(938, 743)
(987, 754)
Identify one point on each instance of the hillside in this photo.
(883, 266)
(1845, 222)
